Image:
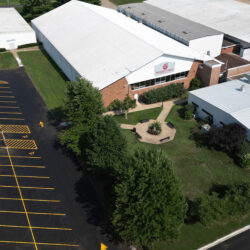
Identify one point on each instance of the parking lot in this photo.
(32, 215)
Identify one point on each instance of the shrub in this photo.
(228, 138)
(2, 50)
(196, 83)
(116, 105)
(155, 128)
(28, 45)
(243, 157)
(162, 94)
(189, 110)
(217, 207)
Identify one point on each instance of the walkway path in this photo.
(167, 133)
(108, 4)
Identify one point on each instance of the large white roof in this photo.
(104, 45)
(229, 16)
(229, 98)
(11, 21)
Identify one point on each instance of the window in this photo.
(222, 123)
(196, 105)
(206, 112)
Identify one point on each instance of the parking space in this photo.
(32, 215)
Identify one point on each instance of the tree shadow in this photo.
(96, 211)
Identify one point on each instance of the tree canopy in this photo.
(149, 204)
(104, 147)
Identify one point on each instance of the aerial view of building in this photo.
(124, 124)
(224, 103)
(14, 30)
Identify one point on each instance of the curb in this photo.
(225, 238)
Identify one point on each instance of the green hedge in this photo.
(163, 94)
(219, 206)
(2, 50)
(28, 45)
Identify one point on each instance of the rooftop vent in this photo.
(143, 14)
(185, 31)
(243, 88)
(161, 21)
(248, 77)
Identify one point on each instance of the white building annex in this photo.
(105, 46)
(14, 30)
(231, 17)
(225, 103)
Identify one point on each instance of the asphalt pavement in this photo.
(45, 201)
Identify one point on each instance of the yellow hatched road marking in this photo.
(39, 243)
(18, 199)
(45, 228)
(21, 195)
(38, 213)
(42, 188)
(22, 156)
(15, 129)
(23, 166)
(7, 96)
(20, 144)
(3, 82)
(25, 176)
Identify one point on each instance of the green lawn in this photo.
(135, 117)
(198, 169)
(120, 2)
(11, 2)
(7, 61)
(46, 76)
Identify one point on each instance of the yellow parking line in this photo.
(4, 87)
(7, 96)
(38, 200)
(22, 156)
(8, 101)
(42, 188)
(12, 119)
(25, 176)
(9, 107)
(21, 195)
(45, 228)
(38, 213)
(3, 82)
(23, 166)
(7, 92)
(11, 113)
(39, 243)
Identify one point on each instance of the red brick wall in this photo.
(209, 76)
(227, 50)
(238, 70)
(116, 90)
(120, 88)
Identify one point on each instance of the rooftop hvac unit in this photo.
(243, 88)
(248, 77)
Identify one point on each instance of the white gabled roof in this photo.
(11, 21)
(228, 97)
(104, 45)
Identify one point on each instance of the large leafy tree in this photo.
(83, 106)
(149, 204)
(104, 147)
(96, 2)
(83, 102)
(34, 8)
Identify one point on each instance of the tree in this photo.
(195, 83)
(189, 110)
(83, 102)
(122, 106)
(34, 8)
(149, 204)
(83, 106)
(104, 147)
(96, 2)
(127, 104)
